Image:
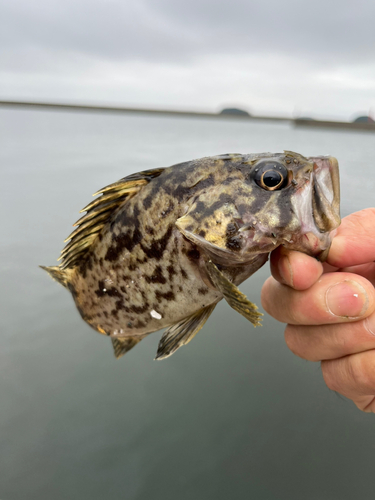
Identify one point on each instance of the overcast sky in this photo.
(283, 57)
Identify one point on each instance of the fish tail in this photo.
(58, 274)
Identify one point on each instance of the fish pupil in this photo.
(271, 178)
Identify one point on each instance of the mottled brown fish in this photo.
(162, 247)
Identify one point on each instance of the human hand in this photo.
(330, 307)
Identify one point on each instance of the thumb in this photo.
(354, 242)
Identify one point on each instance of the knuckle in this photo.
(298, 340)
(370, 408)
(362, 376)
(330, 375)
(339, 343)
(367, 405)
(350, 374)
(291, 339)
(293, 314)
(266, 295)
(273, 299)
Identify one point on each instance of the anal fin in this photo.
(182, 332)
(121, 345)
(235, 298)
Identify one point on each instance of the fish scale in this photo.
(162, 247)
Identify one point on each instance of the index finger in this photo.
(354, 242)
(295, 269)
(353, 245)
(334, 298)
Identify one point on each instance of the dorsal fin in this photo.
(99, 212)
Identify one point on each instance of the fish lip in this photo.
(326, 193)
(335, 177)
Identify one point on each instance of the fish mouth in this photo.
(319, 208)
(325, 204)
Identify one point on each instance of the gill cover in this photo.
(213, 224)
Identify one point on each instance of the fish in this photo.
(160, 248)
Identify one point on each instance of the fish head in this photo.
(272, 200)
(303, 207)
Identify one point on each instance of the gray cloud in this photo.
(171, 51)
(322, 28)
(108, 30)
(327, 31)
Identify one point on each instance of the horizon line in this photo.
(244, 116)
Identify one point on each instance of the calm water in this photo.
(232, 415)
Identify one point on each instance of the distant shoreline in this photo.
(300, 122)
(121, 109)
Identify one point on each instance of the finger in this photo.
(353, 377)
(354, 242)
(316, 343)
(365, 403)
(334, 298)
(365, 270)
(327, 268)
(295, 269)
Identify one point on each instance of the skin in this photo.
(330, 308)
(161, 247)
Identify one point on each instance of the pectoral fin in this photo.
(122, 345)
(233, 295)
(181, 333)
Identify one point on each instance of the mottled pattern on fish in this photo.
(170, 243)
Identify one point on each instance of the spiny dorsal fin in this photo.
(122, 345)
(233, 295)
(99, 212)
(182, 332)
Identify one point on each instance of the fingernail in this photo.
(347, 299)
(285, 270)
(370, 324)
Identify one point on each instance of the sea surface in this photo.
(232, 415)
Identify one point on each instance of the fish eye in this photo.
(271, 176)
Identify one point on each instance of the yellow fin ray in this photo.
(99, 212)
(235, 298)
(182, 332)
